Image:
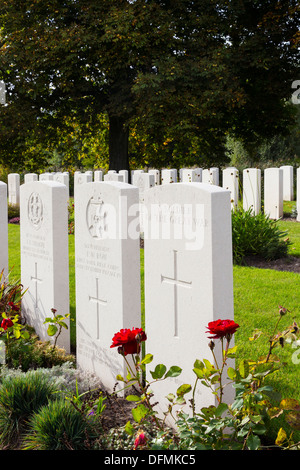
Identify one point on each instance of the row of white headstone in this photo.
(278, 184)
(187, 266)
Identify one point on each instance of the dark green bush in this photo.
(20, 398)
(13, 210)
(59, 426)
(257, 235)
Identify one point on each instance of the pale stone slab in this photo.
(44, 255)
(46, 176)
(210, 176)
(13, 183)
(168, 176)
(113, 176)
(107, 261)
(80, 178)
(3, 229)
(29, 177)
(143, 181)
(188, 279)
(230, 181)
(252, 190)
(198, 174)
(98, 175)
(273, 193)
(188, 175)
(63, 178)
(156, 174)
(124, 173)
(288, 182)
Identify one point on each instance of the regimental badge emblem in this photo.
(96, 217)
(35, 210)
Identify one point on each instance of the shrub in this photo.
(257, 235)
(33, 353)
(13, 211)
(59, 426)
(20, 398)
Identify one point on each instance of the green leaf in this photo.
(221, 408)
(231, 351)
(199, 373)
(244, 368)
(208, 364)
(147, 359)
(159, 371)
(253, 442)
(170, 397)
(183, 389)
(139, 413)
(129, 428)
(174, 371)
(52, 330)
(119, 377)
(133, 398)
(281, 437)
(231, 373)
(198, 364)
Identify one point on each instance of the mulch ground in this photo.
(290, 263)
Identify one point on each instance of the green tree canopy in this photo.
(186, 72)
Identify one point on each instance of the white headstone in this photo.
(62, 177)
(142, 181)
(198, 175)
(29, 177)
(252, 190)
(107, 262)
(44, 255)
(273, 192)
(80, 178)
(298, 195)
(288, 182)
(113, 176)
(98, 175)
(3, 229)
(230, 181)
(46, 176)
(13, 182)
(188, 278)
(211, 176)
(156, 176)
(124, 173)
(168, 176)
(188, 175)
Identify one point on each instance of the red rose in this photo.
(140, 440)
(13, 306)
(221, 328)
(128, 341)
(6, 323)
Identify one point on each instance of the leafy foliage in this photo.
(186, 72)
(19, 399)
(257, 235)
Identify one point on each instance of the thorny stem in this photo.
(143, 389)
(270, 340)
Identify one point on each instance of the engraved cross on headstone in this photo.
(36, 280)
(98, 302)
(176, 283)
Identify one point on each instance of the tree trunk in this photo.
(118, 144)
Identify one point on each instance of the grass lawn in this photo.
(257, 295)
